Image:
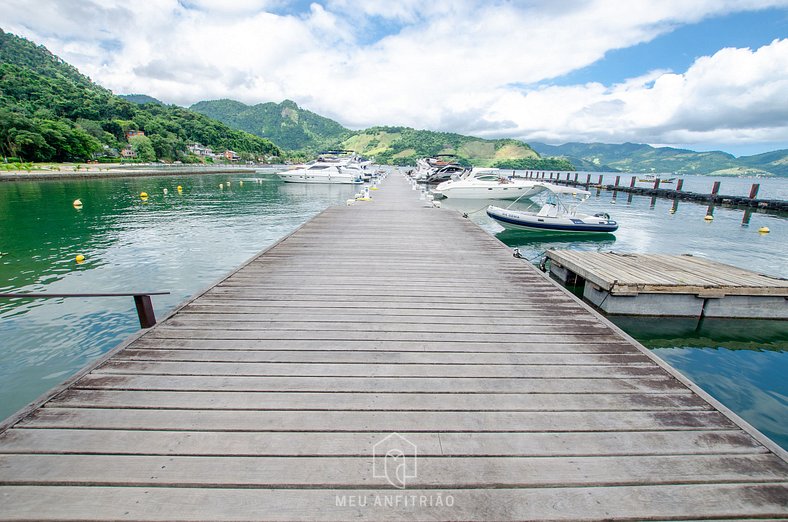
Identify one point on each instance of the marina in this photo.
(267, 395)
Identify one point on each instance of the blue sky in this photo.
(697, 74)
(677, 49)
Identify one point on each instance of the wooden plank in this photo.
(375, 401)
(590, 346)
(170, 332)
(254, 420)
(521, 371)
(574, 503)
(376, 384)
(348, 472)
(125, 442)
(382, 357)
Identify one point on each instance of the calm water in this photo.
(183, 243)
(176, 243)
(744, 364)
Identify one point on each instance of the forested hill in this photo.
(297, 129)
(638, 157)
(51, 112)
(403, 145)
(286, 124)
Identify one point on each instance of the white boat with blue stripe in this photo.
(558, 214)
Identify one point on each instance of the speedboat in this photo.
(487, 184)
(556, 214)
(436, 168)
(651, 178)
(330, 167)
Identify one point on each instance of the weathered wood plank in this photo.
(590, 346)
(382, 357)
(125, 442)
(376, 384)
(273, 420)
(343, 472)
(378, 370)
(577, 503)
(376, 401)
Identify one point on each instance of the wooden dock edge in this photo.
(10, 421)
(727, 412)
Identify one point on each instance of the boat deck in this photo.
(383, 343)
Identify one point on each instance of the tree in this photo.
(143, 147)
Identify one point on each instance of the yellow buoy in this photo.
(180, 189)
(709, 217)
(672, 211)
(79, 259)
(241, 183)
(144, 195)
(763, 230)
(77, 204)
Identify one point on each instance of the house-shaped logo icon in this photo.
(394, 458)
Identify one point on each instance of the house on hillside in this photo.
(231, 155)
(128, 153)
(132, 133)
(199, 150)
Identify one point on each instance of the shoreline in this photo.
(122, 171)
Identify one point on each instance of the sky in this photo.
(697, 74)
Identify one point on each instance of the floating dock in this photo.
(669, 285)
(387, 361)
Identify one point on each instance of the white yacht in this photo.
(330, 167)
(487, 184)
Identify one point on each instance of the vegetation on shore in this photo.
(51, 112)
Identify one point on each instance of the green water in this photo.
(179, 243)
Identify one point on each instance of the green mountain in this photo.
(285, 124)
(638, 157)
(51, 112)
(403, 146)
(140, 99)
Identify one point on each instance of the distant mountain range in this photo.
(293, 128)
(637, 157)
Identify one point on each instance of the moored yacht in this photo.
(487, 184)
(330, 167)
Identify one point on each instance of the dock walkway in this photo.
(385, 344)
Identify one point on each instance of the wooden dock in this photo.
(385, 344)
(670, 285)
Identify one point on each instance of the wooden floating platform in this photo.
(379, 328)
(669, 285)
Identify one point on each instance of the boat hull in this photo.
(305, 177)
(518, 220)
(491, 191)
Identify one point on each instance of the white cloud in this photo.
(467, 66)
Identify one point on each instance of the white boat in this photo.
(555, 215)
(436, 169)
(487, 184)
(330, 167)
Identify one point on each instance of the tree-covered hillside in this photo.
(403, 146)
(51, 112)
(286, 124)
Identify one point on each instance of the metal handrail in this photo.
(142, 301)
